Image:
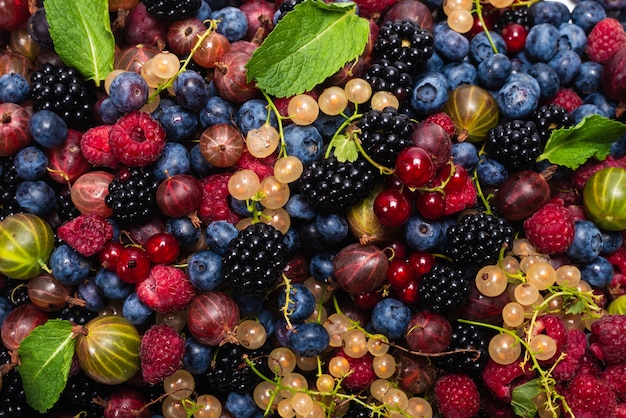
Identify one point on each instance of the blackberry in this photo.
(255, 259)
(393, 77)
(79, 393)
(9, 180)
(16, 292)
(403, 40)
(229, 372)
(467, 336)
(132, 194)
(76, 314)
(286, 6)
(519, 15)
(170, 10)
(550, 117)
(65, 92)
(358, 410)
(477, 239)
(444, 288)
(384, 134)
(515, 144)
(12, 397)
(332, 186)
(66, 209)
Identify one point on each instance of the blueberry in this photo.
(31, 163)
(204, 12)
(566, 64)
(304, 142)
(480, 46)
(179, 123)
(309, 339)
(68, 266)
(321, 265)
(108, 112)
(434, 64)
(607, 105)
(547, 78)
(587, 242)
(240, 207)
(184, 230)
(292, 240)
(541, 42)
(204, 269)
(494, 71)
(429, 93)
(47, 128)
(249, 305)
(216, 111)
(465, 154)
(517, 99)
(197, 356)
(585, 110)
(135, 310)
(613, 5)
(14, 88)
(423, 235)
(91, 294)
(36, 197)
(391, 317)
(301, 303)
(598, 272)
(328, 125)
(549, 12)
(618, 148)
(282, 332)
(520, 63)
(587, 13)
(588, 79)
(233, 24)
(491, 172)
(459, 73)
(573, 38)
(611, 241)
(199, 164)
(333, 227)
(299, 208)
(111, 285)
(128, 91)
(266, 319)
(219, 234)
(5, 308)
(451, 45)
(174, 160)
(191, 90)
(240, 405)
(252, 115)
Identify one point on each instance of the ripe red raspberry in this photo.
(552, 326)
(161, 353)
(568, 99)
(550, 229)
(459, 200)
(590, 397)
(499, 379)
(606, 37)
(575, 348)
(361, 371)
(615, 376)
(166, 289)
(87, 234)
(608, 339)
(137, 139)
(214, 205)
(457, 396)
(95, 146)
(589, 364)
(444, 120)
(263, 167)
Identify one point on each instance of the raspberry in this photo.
(606, 37)
(161, 352)
(361, 372)
(171, 10)
(575, 347)
(95, 146)
(459, 200)
(582, 173)
(608, 339)
(589, 364)
(374, 7)
(590, 397)
(166, 289)
(552, 326)
(499, 378)
(263, 167)
(137, 139)
(615, 376)
(444, 120)
(214, 206)
(550, 229)
(87, 234)
(568, 99)
(457, 396)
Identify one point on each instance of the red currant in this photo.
(109, 255)
(431, 205)
(414, 167)
(162, 248)
(367, 300)
(408, 294)
(399, 248)
(457, 181)
(399, 273)
(133, 264)
(421, 262)
(514, 36)
(392, 208)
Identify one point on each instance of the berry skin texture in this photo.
(161, 353)
(551, 229)
(575, 348)
(606, 37)
(87, 234)
(371, 7)
(457, 396)
(568, 99)
(166, 289)
(608, 339)
(95, 146)
(590, 397)
(361, 372)
(137, 139)
(214, 205)
(498, 378)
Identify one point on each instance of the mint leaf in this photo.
(81, 32)
(345, 149)
(45, 360)
(592, 137)
(522, 398)
(309, 44)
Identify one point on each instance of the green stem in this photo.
(481, 19)
(279, 119)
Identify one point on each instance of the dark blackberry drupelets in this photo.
(475, 340)
(255, 259)
(476, 240)
(171, 10)
(404, 41)
(385, 75)
(228, 372)
(286, 6)
(332, 186)
(549, 117)
(132, 194)
(12, 396)
(515, 144)
(9, 180)
(444, 288)
(384, 134)
(519, 15)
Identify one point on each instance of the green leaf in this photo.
(45, 360)
(81, 32)
(309, 44)
(592, 137)
(345, 149)
(522, 398)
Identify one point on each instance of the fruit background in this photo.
(434, 229)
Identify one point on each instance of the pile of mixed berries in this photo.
(392, 243)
